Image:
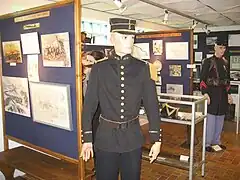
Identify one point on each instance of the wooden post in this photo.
(5, 140)
(78, 61)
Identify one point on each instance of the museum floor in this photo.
(220, 166)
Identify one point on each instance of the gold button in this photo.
(122, 104)
(122, 78)
(122, 110)
(122, 85)
(122, 117)
(122, 73)
(122, 67)
(122, 91)
(122, 98)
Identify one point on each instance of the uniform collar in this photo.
(125, 57)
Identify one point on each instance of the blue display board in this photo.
(55, 139)
(183, 36)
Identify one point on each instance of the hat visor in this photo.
(221, 44)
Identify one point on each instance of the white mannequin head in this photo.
(123, 43)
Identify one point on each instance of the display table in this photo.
(190, 119)
(237, 83)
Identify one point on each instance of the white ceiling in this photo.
(150, 12)
(182, 12)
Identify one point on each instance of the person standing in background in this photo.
(88, 62)
(215, 85)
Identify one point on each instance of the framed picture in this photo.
(16, 95)
(12, 52)
(51, 104)
(56, 50)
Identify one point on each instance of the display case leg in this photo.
(204, 147)
(7, 171)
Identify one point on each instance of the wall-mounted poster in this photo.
(141, 51)
(177, 51)
(235, 62)
(157, 47)
(51, 104)
(56, 50)
(30, 43)
(175, 70)
(211, 40)
(16, 95)
(12, 52)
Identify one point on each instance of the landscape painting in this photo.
(51, 104)
(12, 52)
(56, 50)
(16, 95)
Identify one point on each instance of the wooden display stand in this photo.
(40, 162)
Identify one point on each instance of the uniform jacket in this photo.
(215, 81)
(119, 85)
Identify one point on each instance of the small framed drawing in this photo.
(51, 104)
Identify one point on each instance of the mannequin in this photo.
(118, 84)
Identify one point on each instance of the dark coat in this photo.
(119, 85)
(215, 81)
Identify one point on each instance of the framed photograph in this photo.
(234, 40)
(12, 52)
(16, 95)
(235, 63)
(56, 50)
(195, 41)
(211, 40)
(51, 104)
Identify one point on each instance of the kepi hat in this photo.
(123, 26)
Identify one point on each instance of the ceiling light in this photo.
(194, 24)
(122, 7)
(165, 19)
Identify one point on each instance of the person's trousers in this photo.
(110, 164)
(214, 129)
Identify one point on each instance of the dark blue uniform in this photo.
(119, 85)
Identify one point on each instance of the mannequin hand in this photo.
(230, 99)
(155, 150)
(208, 98)
(87, 151)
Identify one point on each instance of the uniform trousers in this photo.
(214, 129)
(110, 164)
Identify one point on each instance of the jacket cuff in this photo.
(155, 136)
(87, 136)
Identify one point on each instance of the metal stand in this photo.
(237, 83)
(193, 101)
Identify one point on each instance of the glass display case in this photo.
(187, 110)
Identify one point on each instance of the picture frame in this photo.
(52, 108)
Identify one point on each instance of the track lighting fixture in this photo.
(122, 7)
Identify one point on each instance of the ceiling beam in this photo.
(175, 11)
